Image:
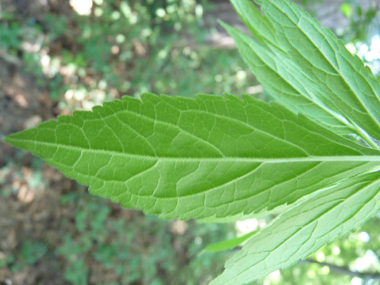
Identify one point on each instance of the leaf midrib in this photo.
(364, 158)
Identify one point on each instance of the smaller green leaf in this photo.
(257, 23)
(348, 87)
(294, 235)
(229, 244)
(287, 83)
(344, 99)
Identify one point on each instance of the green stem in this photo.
(363, 134)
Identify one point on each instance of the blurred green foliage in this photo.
(29, 254)
(360, 22)
(10, 36)
(125, 47)
(363, 23)
(140, 250)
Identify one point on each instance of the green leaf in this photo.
(347, 86)
(229, 244)
(257, 23)
(241, 216)
(317, 76)
(299, 232)
(287, 83)
(280, 76)
(209, 157)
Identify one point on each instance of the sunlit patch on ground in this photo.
(82, 7)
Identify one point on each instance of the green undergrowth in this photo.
(136, 250)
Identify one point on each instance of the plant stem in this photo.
(344, 270)
(366, 137)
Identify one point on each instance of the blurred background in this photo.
(57, 56)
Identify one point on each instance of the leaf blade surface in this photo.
(304, 229)
(184, 158)
(348, 86)
(229, 244)
(287, 83)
